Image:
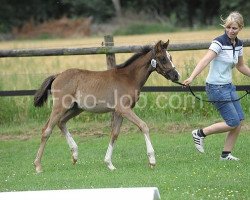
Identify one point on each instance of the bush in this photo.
(143, 28)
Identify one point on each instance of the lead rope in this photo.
(209, 101)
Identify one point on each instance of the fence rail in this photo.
(101, 50)
(109, 50)
(144, 89)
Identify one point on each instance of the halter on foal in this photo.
(115, 90)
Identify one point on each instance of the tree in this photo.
(184, 12)
(117, 6)
(242, 6)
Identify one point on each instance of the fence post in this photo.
(110, 57)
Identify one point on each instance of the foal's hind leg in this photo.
(62, 125)
(46, 132)
(116, 125)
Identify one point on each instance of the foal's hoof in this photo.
(110, 166)
(151, 165)
(74, 156)
(74, 160)
(38, 169)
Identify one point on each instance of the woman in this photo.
(225, 53)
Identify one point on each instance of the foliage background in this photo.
(187, 13)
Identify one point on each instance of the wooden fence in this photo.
(110, 50)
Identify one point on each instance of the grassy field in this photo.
(181, 173)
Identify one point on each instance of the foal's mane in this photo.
(143, 51)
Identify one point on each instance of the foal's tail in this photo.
(42, 93)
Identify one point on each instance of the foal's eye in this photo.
(163, 60)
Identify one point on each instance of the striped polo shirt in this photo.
(220, 71)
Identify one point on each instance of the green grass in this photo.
(181, 172)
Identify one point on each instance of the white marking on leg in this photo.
(72, 145)
(150, 151)
(108, 157)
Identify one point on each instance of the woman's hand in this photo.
(188, 81)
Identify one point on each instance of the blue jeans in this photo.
(231, 112)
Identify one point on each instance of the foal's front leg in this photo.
(116, 125)
(131, 116)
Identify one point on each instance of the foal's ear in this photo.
(165, 45)
(159, 46)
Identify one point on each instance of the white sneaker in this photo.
(198, 141)
(229, 157)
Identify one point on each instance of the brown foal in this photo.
(115, 90)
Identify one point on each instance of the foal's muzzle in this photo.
(172, 75)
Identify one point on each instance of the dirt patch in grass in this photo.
(101, 129)
(15, 137)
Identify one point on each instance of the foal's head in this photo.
(162, 61)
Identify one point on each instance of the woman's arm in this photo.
(209, 56)
(242, 67)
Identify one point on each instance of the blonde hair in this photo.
(233, 17)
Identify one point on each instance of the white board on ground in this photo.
(141, 193)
